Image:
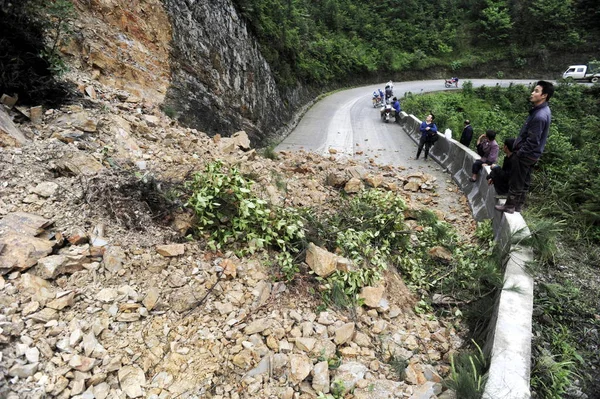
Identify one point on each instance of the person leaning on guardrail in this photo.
(499, 175)
(467, 134)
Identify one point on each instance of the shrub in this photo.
(231, 216)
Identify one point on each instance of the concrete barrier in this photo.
(509, 339)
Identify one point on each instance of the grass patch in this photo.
(467, 374)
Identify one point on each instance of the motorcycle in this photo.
(377, 102)
(452, 82)
(386, 113)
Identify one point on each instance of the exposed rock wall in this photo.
(124, 45)
(220, 82)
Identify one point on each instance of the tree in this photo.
(496, 22)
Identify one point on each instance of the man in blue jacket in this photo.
(528, 147)
(428, 135)
(397, 109)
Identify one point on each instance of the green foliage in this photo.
(496, 22)
(369, 230)
(471, 273)
(269, 152)
(467, 374)
(333, 362)
(338, 389)
(566, 184)
(455, 65)
(557, 310)
(520, 62)
(56, 17)
(398, 365)
(485, 231)
(231, 216)
(169, 111)
(337, 40)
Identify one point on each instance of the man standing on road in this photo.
(528, 147)
(467, 134)
(428, 135)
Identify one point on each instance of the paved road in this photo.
(347, 122)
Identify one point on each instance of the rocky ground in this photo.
(102, 297)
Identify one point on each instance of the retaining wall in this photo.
(509, 341)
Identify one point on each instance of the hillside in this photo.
(118, 303)
(102, 294)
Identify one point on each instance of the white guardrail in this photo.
(508, 345)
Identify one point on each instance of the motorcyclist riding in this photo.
(375, 98)
(389, 92)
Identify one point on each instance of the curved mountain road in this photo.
(347, 122)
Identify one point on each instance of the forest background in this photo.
(330, 44)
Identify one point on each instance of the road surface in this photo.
(347, 122)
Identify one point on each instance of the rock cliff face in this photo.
(197, 58)
(220, 82)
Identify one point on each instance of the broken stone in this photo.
(131, 380)
(10, 135)
(321, 261)
(372, 295)
(353, 185)
(170, 250)
(46, 189)
(151, 298)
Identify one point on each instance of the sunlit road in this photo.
(347, 122)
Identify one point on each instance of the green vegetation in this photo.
(335, 40)
(232, 216)
(467, 374)
(30, 36)
(55, 17)
(563, 215)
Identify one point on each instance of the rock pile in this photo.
(97, 306)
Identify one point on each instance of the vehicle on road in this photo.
(589, 72)
(386, 113)
(452, 82)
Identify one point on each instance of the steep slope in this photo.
(102, 296)
(197, 59)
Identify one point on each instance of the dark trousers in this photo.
(423, 142)
(500, 179)
(477, 166)
(520, 180)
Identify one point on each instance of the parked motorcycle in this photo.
(452, 82)
(386, 113)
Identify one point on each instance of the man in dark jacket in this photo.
(428, 135)
(529, 146)
(467, 134)
(499, 175)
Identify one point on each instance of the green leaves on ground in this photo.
(230, 215)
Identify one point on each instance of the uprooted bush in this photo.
(231, 216)
(133, 200)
